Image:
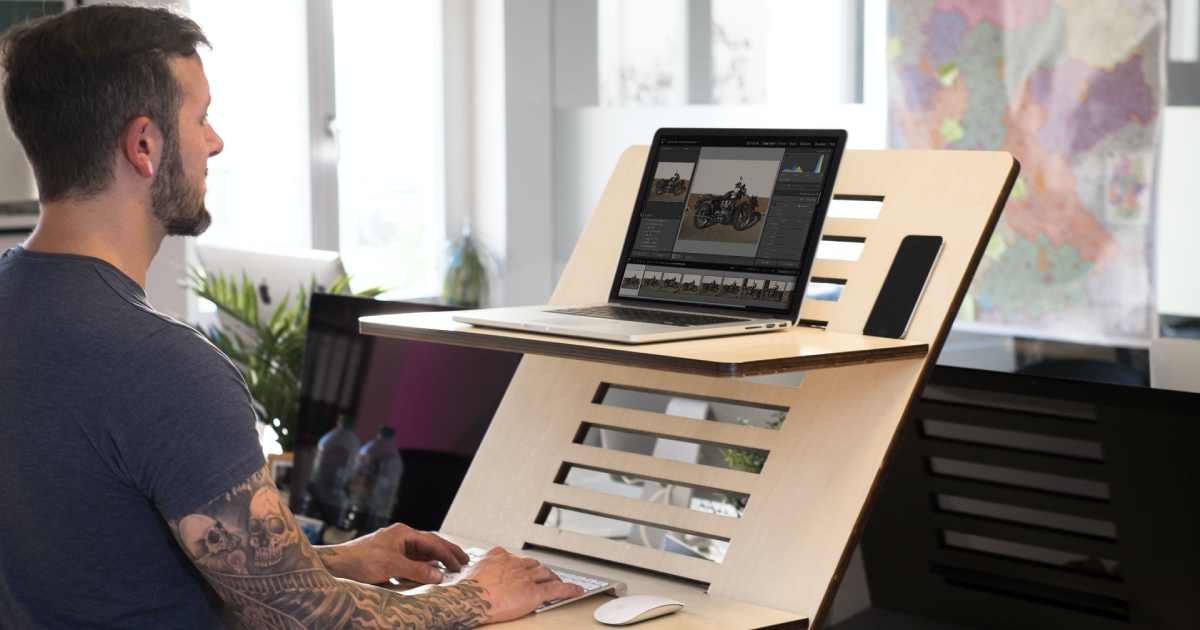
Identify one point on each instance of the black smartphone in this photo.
(902, 289)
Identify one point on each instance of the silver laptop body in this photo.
(721, 241)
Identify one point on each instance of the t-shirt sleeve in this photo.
(181, 421)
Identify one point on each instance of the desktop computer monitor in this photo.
(439, 399)
(275, 272)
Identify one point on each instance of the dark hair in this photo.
(74, 80)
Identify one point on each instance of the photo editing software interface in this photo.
(725, 220)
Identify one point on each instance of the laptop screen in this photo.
(729, 219)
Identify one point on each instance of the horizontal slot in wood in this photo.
(1018, 440)
(623, 553)
(721, 479)
(854, 207)
(647, 399)
(824, 289)
(653, 425)
(637, 532)
(1099, 605)
(1004, 475)
(655, 512)
(1026, 516)
(1057, 558)
(661, 491)
(664, 446)
(833, 248)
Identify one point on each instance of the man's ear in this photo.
(141, 145)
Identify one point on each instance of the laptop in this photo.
(721, 240)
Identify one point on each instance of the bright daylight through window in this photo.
(389, 116)
(390, 174)
(258, 188)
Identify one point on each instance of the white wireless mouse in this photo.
(623, 611)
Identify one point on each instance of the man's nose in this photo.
(217, 145)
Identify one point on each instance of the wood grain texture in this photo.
(819, 470)
(805, 508)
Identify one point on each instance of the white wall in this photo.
(1177, 257)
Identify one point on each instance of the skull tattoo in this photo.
(212, 546)
(270, 528)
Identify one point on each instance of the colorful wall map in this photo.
(1075, 90)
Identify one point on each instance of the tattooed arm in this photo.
(250, 549)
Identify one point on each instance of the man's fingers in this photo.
(423, 546)
(455, 549)
(544, 574)
(529, 563)
(550, 591)
(412, 570)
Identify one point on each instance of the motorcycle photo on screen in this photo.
(732, 287)
(774, 292)
(752, 290)
(735, 207)
(673, 185)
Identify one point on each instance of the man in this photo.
(133, 489)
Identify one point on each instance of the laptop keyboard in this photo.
(649, 316)
(591, 584)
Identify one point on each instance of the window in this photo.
(388, 90)
(390, 173)
(258, 188)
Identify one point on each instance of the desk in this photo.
(701, 611)
(806, 507)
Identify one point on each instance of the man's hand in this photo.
(397, 551)
(514, 586)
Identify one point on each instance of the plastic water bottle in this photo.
(332, 470)
(372, 491)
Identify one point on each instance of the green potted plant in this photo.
(270, 353)
(466, 281)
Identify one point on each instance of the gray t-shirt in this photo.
(113, 417)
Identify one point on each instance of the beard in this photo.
(175, 201)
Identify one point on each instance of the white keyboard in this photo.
(592, 584)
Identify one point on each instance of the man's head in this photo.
(105, 87)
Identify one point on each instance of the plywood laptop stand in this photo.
(805, 509)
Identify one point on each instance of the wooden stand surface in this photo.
(805, 509)
(800, 348)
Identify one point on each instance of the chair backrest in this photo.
(1017, 501)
